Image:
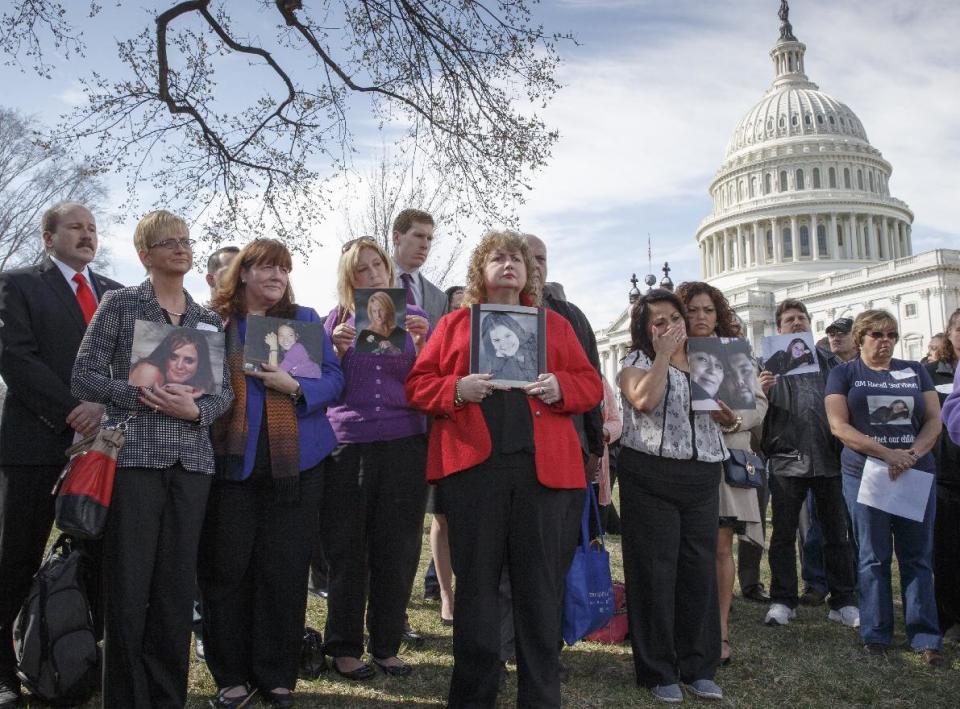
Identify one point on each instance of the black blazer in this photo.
(41, 325)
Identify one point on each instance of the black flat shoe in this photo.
(281, 700)
(363, 672)
(224, 702)
(724, 661)
(448, 622)
(401, 670)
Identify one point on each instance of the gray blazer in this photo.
(434, 301)
(154, 440)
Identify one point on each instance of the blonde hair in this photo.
(871, 320)
(475, 290)
(156, 226)
(389, 310)
(348, 267)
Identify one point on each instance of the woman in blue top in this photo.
(866, 399)
(262, 515)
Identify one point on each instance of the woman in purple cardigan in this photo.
(262, 515)
(375, 485)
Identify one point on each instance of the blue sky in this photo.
(651, 93)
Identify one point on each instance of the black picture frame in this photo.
(524, 356)
(371, 341)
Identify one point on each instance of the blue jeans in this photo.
(880, 534)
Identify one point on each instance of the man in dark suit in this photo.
(44, 311)
(412, 239)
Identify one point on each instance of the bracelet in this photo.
(734, 427)
(295, 396)
(457, 395)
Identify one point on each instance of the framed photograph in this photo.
(890, 410)
(295, 346)
(166, 354)
(510, 341)
(380, 315)
(721, 368)
(790, 354)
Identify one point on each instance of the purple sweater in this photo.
(374, 406)
(951, 410)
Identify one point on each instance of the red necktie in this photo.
(88, 304)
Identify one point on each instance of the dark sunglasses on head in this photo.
(347, 246)
(879, 335)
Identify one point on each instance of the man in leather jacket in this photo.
(803, 455)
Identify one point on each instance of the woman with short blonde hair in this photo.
(857, 392)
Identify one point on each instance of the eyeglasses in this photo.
(347, 246)
(878, 335)
(173, 243)
(270, 267)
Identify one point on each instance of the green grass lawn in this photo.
(810, 663)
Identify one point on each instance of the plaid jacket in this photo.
(101, 370)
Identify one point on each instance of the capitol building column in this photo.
(759, 244)
(741, 255)
(777, 240)
(794, 238)
(815, 236)
(833, 243)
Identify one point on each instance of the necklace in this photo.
(170, 312)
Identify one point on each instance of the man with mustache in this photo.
(44, 311)
(804, 456)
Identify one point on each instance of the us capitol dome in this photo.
(802, 209)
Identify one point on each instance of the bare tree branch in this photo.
(463, 80)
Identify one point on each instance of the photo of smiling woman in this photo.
(705, 356)
(798, 353)
(182, 357)
(508, 351)
(382, 334)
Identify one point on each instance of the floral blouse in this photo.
(672, 429)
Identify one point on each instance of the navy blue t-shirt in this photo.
(888, 406)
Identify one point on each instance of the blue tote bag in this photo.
(588, 597)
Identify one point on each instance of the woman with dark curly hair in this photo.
(670, 470)
(182, 357)
(709, 315)
(510, 477)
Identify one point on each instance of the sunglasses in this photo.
(879, 335)
(349, 245)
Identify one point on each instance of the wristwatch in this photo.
(297, 395)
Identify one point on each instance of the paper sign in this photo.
(903, 374)
(905, 497)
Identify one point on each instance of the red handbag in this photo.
(86, 485)
(617, 630)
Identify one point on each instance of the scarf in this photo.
(230, 431)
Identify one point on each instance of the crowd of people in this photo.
(232, 478)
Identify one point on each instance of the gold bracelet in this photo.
(734, 427)
(457, 395)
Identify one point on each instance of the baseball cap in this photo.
(840, 325)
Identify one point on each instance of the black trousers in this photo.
(253, 568)
(26, 516)
(149, 576)
(669, 510)
(946, 556)
(749, 555)
(500, 515)
(787, 495)
(372, 524)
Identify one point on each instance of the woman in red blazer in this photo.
(509, 470)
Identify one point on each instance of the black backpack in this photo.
(54, 638)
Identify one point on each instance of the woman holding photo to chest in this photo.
(854, 392)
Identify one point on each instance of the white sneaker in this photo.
(848, 615)
(779, 614)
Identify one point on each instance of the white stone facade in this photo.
(802, 209)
